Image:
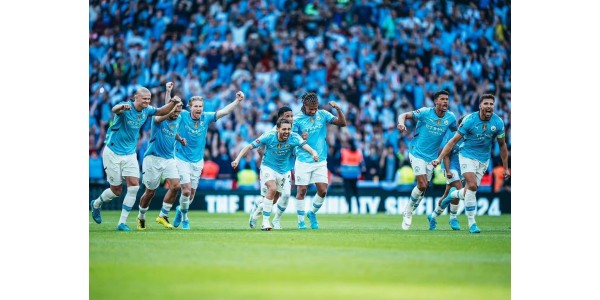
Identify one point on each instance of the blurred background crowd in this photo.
(376, 58)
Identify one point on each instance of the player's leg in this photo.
(113, 174)
(284, 189)
(131, 172)
(320, 179)
(302, 179)
(151, 172)
(423, 172)
(267, 204)
(472, 170)
(172, 175)
(457, 185)
(188, 182)
(444, 201)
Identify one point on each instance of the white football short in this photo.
(421, 167)
(454, 178)
(118, 166)
(154, 167)
(189, 172)
(307, 173)
(282, 181)
(469, 165)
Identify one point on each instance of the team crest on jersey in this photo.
(493, 128)
(318, 118)
(201, 123)
(445, 122)
(195, 124)
(287, 145)
(484, 127)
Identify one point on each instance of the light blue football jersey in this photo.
(292, 160)
(316, 127)
(479, 136)
(123, 134)
(194, 131)
(454, 164)
(277, 153)
(430, 132)
(162, 138)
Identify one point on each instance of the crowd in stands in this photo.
(376, 58)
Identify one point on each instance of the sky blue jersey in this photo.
(430, 132)
(194, 131)
(124, 132)
(316, 126)
(479, 136)
(454, 164)
(162, 138)
(277, 153)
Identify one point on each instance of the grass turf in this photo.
(349, 257)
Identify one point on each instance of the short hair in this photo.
(441, 92)
(487, 96)
(283, 121)
(141, 90)
(195, 98)
(283, 110)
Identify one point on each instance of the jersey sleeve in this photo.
(418, 113)
(210, 117)
(262, 140)
(151, 110)
(465, 126)
(501, 133)
(296, 140)
(328, 116)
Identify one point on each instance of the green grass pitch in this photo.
(350, 257)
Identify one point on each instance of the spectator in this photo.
(352, 166)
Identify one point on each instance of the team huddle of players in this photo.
(178, 137)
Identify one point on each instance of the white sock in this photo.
(107, 195)
(460, 194)
(470, 206)
(128, 203)
(281, 205)
(142, 213)
(300, 207)
(317, 203)
(166, 208)
(453, 211)
(267, 205)
(259, 208)
(184, 206)
(438, 211)
(415, 199)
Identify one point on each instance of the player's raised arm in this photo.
(447, 149)
(504, 156)
(312, 152)
(340, 120)
(167, 108)
(158, 119)
(243, 152)
(168, 92)
(402, 118)
(239, 97)
(120, 108)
